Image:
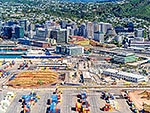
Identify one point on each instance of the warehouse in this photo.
(124, 58)
(124, 75)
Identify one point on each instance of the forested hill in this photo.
(137, 8)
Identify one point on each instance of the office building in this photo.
(0, 27)
(124, 75)
(82, 30)
(96, 27)
(23, 23)
(99, 36)
(41, 34)
(69, 31)
(7, 32)
(130, 27)
(60, 35)
(90, 30)
(71, 50)
(19, 32)
(63, 24)
(104, 27)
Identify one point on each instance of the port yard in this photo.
(68, 101)
(38, 70)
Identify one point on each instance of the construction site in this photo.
(139, 101)
(33, 79)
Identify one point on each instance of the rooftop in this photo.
(125, 54)
(124, 73)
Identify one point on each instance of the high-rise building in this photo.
(60, 35)
(105, 26)
(63, 24)
(99, 36)
(96, 27)
(7, 32)
(23, 23)
(130, 27)
(70, 32)
(82, 30)
(19, 32)
(90, 30)
(0, 27)
(41, 34)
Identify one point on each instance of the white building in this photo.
(124, 75)
(90, 30)
(139, 32)
(105, 26)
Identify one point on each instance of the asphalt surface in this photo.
(68, 102)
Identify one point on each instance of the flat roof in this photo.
(124, 73)
(111, 70)
(125, 54)
(130, 75)
(86, 75)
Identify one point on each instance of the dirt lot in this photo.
(33, 79)
(139, 97)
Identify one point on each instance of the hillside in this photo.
(88, 11)
(136, 8)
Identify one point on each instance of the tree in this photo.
(40, 82)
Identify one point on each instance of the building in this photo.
(69, 32)
(119, 29)
(63, 24)
(96, 27)
(74, 50)
(90, 30)
(124, 58)
(119, 39)
(105, 26)
(23, 23)
(99, 36)
(1, 24)
(7, 32)
(60, 35)
(11, 23)
(130, 27)
(42, 44)
(24, 41)
(41, 34)
(82, 30)
(19, 32)
(139, 32)
(124, 75)
(87, 77)
(71, 50)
